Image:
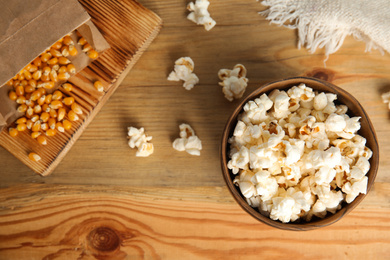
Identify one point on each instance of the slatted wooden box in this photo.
(129, 28)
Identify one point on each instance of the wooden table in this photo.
(103, 202)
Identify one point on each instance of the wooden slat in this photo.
(128, 38)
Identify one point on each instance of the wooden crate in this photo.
(129, 28)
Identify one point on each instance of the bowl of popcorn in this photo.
(299, 153)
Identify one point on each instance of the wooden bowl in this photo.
(354, 109)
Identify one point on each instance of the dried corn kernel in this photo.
(65, 51)
(67, 124)
(68, 101)
(53, 61)
(21, 127)
(22, 108)
(27, 74)
(57, 45)
(32, 83)
(98, 86)
(63, 61)
(45, 116)
(72, 50)
(29, 89)
(13, 132)
(48, 98)
(67, 86)
(46, 108)
(36, 126)
(29, 124)
(45, 57)
(52, 123)
(44, 126)
(87, 47)
(63, 76)
(29, 112)
(56, 104)
(53, 75)
(41, 100)
(61, 114)
(62, 69)
(93, 54)
(34, 157)
(12, 95)
(72, 116)
(37, 61)
(37, 109)
(82, 41)
(19, 90)
(33, 68)
(55, 53)
(37, 75)
(57, 95)
(51, 132)
(71, 68)
(35, 95)
(67, 40)
(60, 127)
(76, 108)
(53, 113)
(34, 118)
(21, 100)
(35, 134)
(21, 120)
(42, 140)
(46, 85)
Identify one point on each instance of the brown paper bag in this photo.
(28, 28)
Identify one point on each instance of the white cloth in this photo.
(326, 23)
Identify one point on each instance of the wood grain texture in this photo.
(171, 205)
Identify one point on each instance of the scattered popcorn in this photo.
(188, 141)
(297, 154)
(386, 98)
(234, 82)
(139, 139)
(200, 15)
(183, 70)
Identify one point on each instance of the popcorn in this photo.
(234, 82)
(298, 155)
(138, 138)
(200, 15)
(188, 141)
(183, 70)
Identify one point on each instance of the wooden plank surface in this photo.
(171, 205)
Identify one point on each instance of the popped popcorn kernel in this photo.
(297, 154)
(188, 141)
(138, 139)
(234, 82)
(183, 70)
(200, 15)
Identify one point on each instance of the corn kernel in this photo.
(71, 68)
(28, 67)
(22, 108)
(67, 124)
(32, 83)
(67, 86)
(34, 118)
(35, 134)
(46, 108)
(37, 74)
(61, 114)
(44, 126)
(60, 127)
(21, 120)
(29, 89)
(63, 76)
(56, 104)
(53, 75)
(42, 140)
(16, 83)
(41, 100)
(29, 112)
(45, 116)
(33, 68)
(57, 95)
(93, 54)
(52, 61)
(35, 95)
(37, 61)
(20, 76)
(55, 53)
(27, 74)
(45, 57)
(72, 50)
(55, 67)
(87, 47)
(13, 132)
(21, 100)
(36, 126)
(24, 83)
(30, 103)
(72, 116)
(10, 82)
(21, 127)
(65, 51)
(63, 61)
(68, 101)
(77, 109)
(29, 124)
(46, 85)
(19, 90)
(12, 95)
(48, 99)
(67, 40)
(53, 113)
(57, 45)
(34, 157)
(82, 41)
(28, 96)
(51, 132)
(62, 69)
(37, 109)
(52, 123)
